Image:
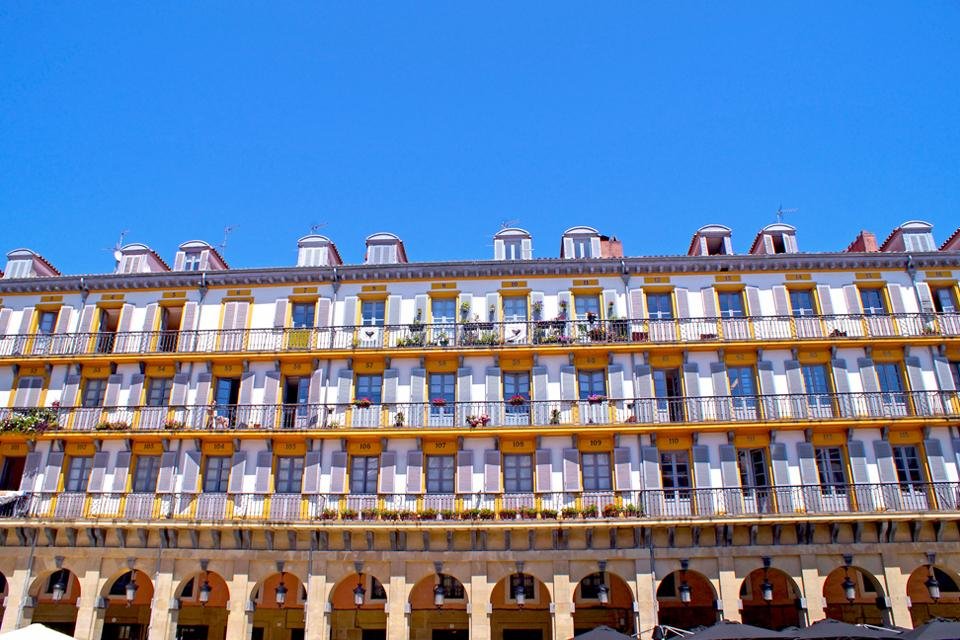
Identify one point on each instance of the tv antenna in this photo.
(226, 233)
(507, 224)
(116, 248)
(316, 226)
(781, 212)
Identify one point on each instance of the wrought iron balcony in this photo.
(766, 409)
(480, 335)
(749, 503)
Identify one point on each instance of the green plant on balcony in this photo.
(174, 425)
(471, 514)
(632, 511)
(478, 421)
(537, 310)
(555, 416)
(428, 514)
(448, 514)
(362, 403)
(528, 513)
(548, 514)
(399, 419)
(590, 511)
(348, 514)
(369, 514)
(389, 514)
(31, 421)
(486, 514)
(406, 514)
(570, 512)
(118, 425)
(612, 511)
(328, 514)
(508, 514)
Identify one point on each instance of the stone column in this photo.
(239, 622)
(18, 583)
(163, 623)
(398, 623)
(646, 596)
(729, 588)
(896, 588)
(811, 583)
(89, 619)
(562, 605)
(316, 619)
(479, 606)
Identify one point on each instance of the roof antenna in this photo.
(316, 226)
(781, 211)
(116, 248)
(507, 224)
(226, 232)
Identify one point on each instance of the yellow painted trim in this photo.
(740, 358)
(79, 449)
(813, 357)
(829, 439)
(364, 447)
(217, 448)
(595, 443)
(905, 436)
(592, 360)
(518, 445)
(517, 364)
(441, 364)
(888, 355)
(369, 366)
(285, 449)
(95, 371)
(751, 440)
(675, 442)
(666, 360)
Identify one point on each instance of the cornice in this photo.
(548, 267)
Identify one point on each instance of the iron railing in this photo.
(649, 504)
(783, 408)
(468, 335)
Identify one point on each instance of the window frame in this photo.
(437, 464)
(135, 478)
(283, 478)
(361, 468)
(601, 465)
(378, 313)
(516, 473)
(222, 473)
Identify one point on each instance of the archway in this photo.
(854, 595)
(438, 608)
(203, 599)
(358, 604)
(127, 612)
(55, 595)
(921, 591)
(3, 596)
(603, 598)
(278, 612)
(685, 600)
(521, 609)
(770, 599)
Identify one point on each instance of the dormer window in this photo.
(512, 249)
(18, 269)
(512, 244)
(191, 261)
(317, 251)
(918, 242)
(715, 247)
(384, 248)
(382, 254)
(580, 243)
(581, 248)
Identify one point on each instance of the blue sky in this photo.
(438, 122)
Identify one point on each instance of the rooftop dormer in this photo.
(24, 263)
(913, 235)
(580, 242)
(775, 238)
(139, 258)
(384, 248)
(512, 244)
(197, 255)
(317, 251)
(711, 240)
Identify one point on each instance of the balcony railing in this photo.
(468, 335)
(654, 504)
(478, 415)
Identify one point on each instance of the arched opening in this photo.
(936, 598)
(438, 609)
(55, 595)
(203, 599)
(770, 599)
(3, 596)
(278, 608)
(854, 595)
(603, 598)
(521, 609)
(686, 599)
(358, 604)
(127, 613)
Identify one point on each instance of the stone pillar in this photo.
(398, 623)
(479, 606)
(896, 587)
(163, 623)
(646, 596)
(729, 588)
(18, 583)
(89, 618)
(562, 606)
(811, 584)
(316, 618)
(239, 622)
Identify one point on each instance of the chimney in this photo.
(610, 247)
(866, 242)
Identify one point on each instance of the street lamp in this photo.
(438, 594)
(932, 584)
(766, 587)
(60, 587)
(205, 590)
(280, 593)
(603, 593)
(519, 593)
(358, 592)
(130, 591)
(849, 586)
(685, 591)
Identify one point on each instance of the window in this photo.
(872, 301)
(442, 387)
(753, 468)
(514, 309)
(891, 382)
(907, 461)
(78, 473)
(743, 386)
(831, 471)
(801, 302)
(731, 304)
(216, 474)
(592, 383)
(517, 473)
(581, 248)
(815, 379)
(377, 592)
(94, 391)
(675, 474)
(382, 254)
(590, 586)
(363, 474)
(516, 580)
(61, 576)
(372, 313)
(596, 471)
(513, 249)
(668, 391)
(516, 384)
(46, 322)
(443, 310)
(943, 300)
(119, 586)
(587, 307)
(955, 372)
(158, 392)
(289, 475)
(145, 474)
(440, 472)
(191, 261)
(19, 268)
(227, 392)
(370, 387)
(452, 588)
(660, 306)
(303, 315)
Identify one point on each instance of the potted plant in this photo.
(464, 310)
(428, 514)
(611, 511)
(632, 511)
(448, 514)
(348, 514)
(570, 513)
(389, 514)
(517, 400)
(486, 514)
(439, 402)
(590, 511)
(548, 514)
(362, 403)
(328, 514)
(508, 514)
(369, 514)
(537, 309)
(596, 398)
(478, 421)
(399, 419)
(406, 514)
(528, 513)
(555, 416)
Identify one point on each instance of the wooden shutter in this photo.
(809, 476)
(571, 470)
(178, 392)
(229, 313)
(271, 388)
(311, 472)
(5, 320)
(203, 388)
(701, 479)
(637, 310)
(112, 393)
(191, 471)
(420, 308)
(650, 457)
(795, 387)
(417, 384)
(63, 320)
(86, 318)
(941, 367)
(493, 386)
(615, 381)
(680, 296)
(771, 399)
(344, 386)
(896, 297)
(264, 466)
(753, 302)
(165, 479)
(868, 375)
(852, 296)
(323, 313)
(388, 472)
(709, 302)
(98, 472)
(621, 465)
(393, 311)
(280, 314)
(568, 383)
(493, 303)
(825, 299)
(539, 374)
(240, 319)
(729, 470)
(610, 301)
(338, 472)
(464, 384)
(350, 311)
(781, 300)
(390, 382)
(237, 472)
(721, 389)
(781, 476)
(125, 342)
(121, 471)
(71, 385)
(414, 472)
(464, 472)
(51, 475)
(492, 477)
(31, 467)
(246, 388)
(936, 461)
(544, 471)
(925, 297)
(691, 384)
(26, 317)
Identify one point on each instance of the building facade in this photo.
(507, 448)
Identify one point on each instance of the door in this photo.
(450, 634)
(669, 394)
(675, 476)
(754, 480)
(113, 631)
(522, 634)
(11, 473)
(193, 632)
(295, 393)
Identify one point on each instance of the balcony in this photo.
(680, 411)
(653, 505)
(487, 335)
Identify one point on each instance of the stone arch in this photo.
(194, 611)
(701, 610)
(61, 614)
(346, 616)
(778, 613)
(426, 616)
(121, 613)
(865, 607)
(922, 605)
(532, 614)
(272, 616)
(590, 611)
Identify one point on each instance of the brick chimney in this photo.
(866, 242)
(610, 247)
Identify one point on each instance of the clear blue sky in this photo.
(173, 119)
